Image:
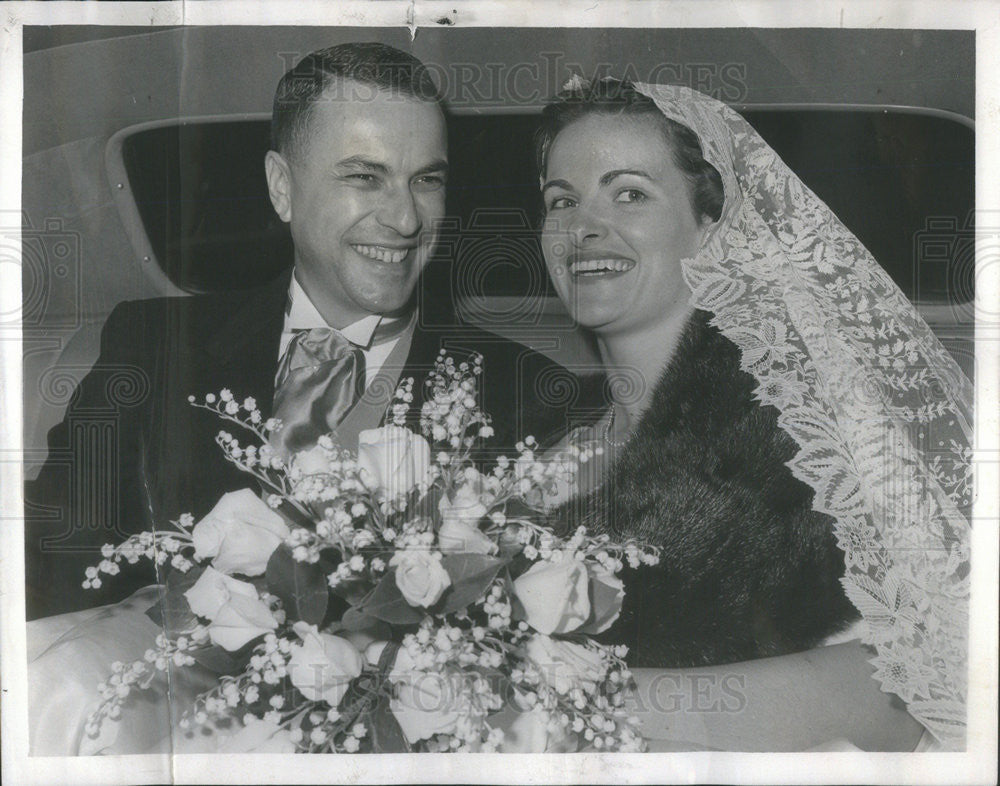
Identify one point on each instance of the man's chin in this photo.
(387, 291)
(388, 304)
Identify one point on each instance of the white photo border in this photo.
(976, 765)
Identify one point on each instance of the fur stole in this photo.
(747, 568)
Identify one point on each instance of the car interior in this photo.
(174, 201)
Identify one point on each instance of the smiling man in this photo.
(359, 174)
(357, 171)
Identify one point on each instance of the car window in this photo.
(903, 182)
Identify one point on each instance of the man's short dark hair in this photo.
(371, 64)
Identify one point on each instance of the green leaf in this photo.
(219, 660)
(517, 508)
(604, 599)
(387, 603)
(355, 620)
(172, 612)
(223, 661)
(387, 659)
(470, 575)
(517, 611)
(301, 586)
(387, 736)
(360, 695)
(354, 592)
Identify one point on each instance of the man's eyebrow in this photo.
(440, 165)
(360, 162)
(370, 165)
(607, 177)
(557, 184)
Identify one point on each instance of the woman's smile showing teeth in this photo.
(598, 267)
(381, 253)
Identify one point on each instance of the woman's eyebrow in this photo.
(557, 184)
(607, 177)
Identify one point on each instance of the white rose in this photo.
(536, 731)
(554, 595)
(425, 703)
(239, 621)
(240, 534)
(373, 652)
(234, 610)
(214, 589)
(459, 530)
(322, 666)
(259, 736)
(563, 664)
(458, 536)
(393, 459)
(420, 576)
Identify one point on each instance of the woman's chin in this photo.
(595, 313)
(597, 320)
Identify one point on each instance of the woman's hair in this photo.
(615, 97)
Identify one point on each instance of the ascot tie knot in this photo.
(319, 379)
(311, 349)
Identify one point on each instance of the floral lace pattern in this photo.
(879, 409)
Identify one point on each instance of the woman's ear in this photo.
(707, 222)
(279, 184)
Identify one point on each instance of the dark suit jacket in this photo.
(132, 453)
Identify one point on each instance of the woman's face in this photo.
(618, 222)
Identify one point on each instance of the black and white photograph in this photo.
(612, 384)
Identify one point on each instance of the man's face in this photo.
(363, 195)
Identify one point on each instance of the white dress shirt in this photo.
(301, 314)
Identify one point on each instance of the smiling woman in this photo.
(618, 221)
(756, 439)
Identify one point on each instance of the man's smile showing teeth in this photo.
(597, 267)
(382, 253)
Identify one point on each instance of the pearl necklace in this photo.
(607, 430)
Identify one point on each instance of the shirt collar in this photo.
(301, 314)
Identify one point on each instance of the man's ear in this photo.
(279, 184)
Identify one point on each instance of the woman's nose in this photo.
(586, 227)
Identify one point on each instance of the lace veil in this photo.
(879, 409)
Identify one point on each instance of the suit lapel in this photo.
(423, 352)
(243, 353)
(210, 343)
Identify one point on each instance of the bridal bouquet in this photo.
(396, 597)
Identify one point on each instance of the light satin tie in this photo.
(320, 377)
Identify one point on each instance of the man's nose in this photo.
(398, 211)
